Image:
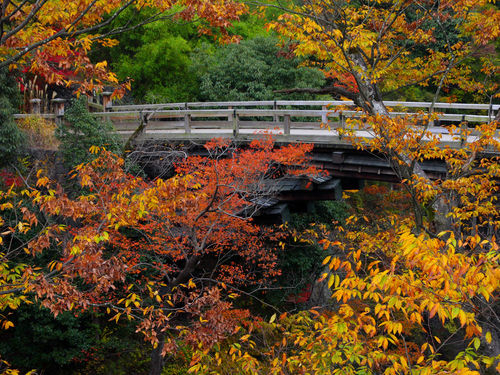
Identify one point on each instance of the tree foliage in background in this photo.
(53, 40)
(158, 56)
(372, 48)
(40, 341)
(251, 70)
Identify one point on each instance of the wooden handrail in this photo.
(244, 120)
(281, 103)
(200, 113)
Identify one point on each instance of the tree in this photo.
(84, 131)
(160, 253)
(405, 299)
(377, 48)
(51, 38)
(159, 56)
(251, 70)
(380, 47)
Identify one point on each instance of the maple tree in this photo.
(148, 251)
(378, 47)
(373, 48)
(53, 38)
(404, 298)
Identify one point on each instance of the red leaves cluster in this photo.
(154, 250)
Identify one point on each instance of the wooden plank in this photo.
(472, 106)
(282, 112)
(96, 106)
(259, 125)
(212, 124)
(131, 126)
(320, 103)
(190, 105)
(305, 125)
(49, 116)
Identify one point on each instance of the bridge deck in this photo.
(244, 120)
(322, 137)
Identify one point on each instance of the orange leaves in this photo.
(54, 38)
(167, 238)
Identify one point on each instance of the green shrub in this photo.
(82, 131)
(252, 70)
(38, 340)
(12, 140)
(325, 212)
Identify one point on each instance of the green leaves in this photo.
(84, 131)
(251, 70)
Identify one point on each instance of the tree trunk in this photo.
(156, 355)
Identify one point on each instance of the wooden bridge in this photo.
(290, 121)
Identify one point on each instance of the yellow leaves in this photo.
(383, 342)
(488, 337)
(75, 250)
(95, 149)
(326, 260)
(462, 317)
(42, 182)
(6, 324)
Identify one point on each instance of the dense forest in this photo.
(108, 269)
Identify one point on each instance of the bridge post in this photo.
(286, 126)
(324, 118)
(236, 129)
(431, 123)
(58, 105)
(35, 106)
(276, 117)
(107, 103)
(341, 124)
(187, 125)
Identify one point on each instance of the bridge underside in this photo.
(366, 166)
(346, 168)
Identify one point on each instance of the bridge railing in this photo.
(215, 119)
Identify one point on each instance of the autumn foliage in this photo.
(396, 290)
(53, 39)
(370, 49)
(148, 251)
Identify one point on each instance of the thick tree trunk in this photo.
(156, 355)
